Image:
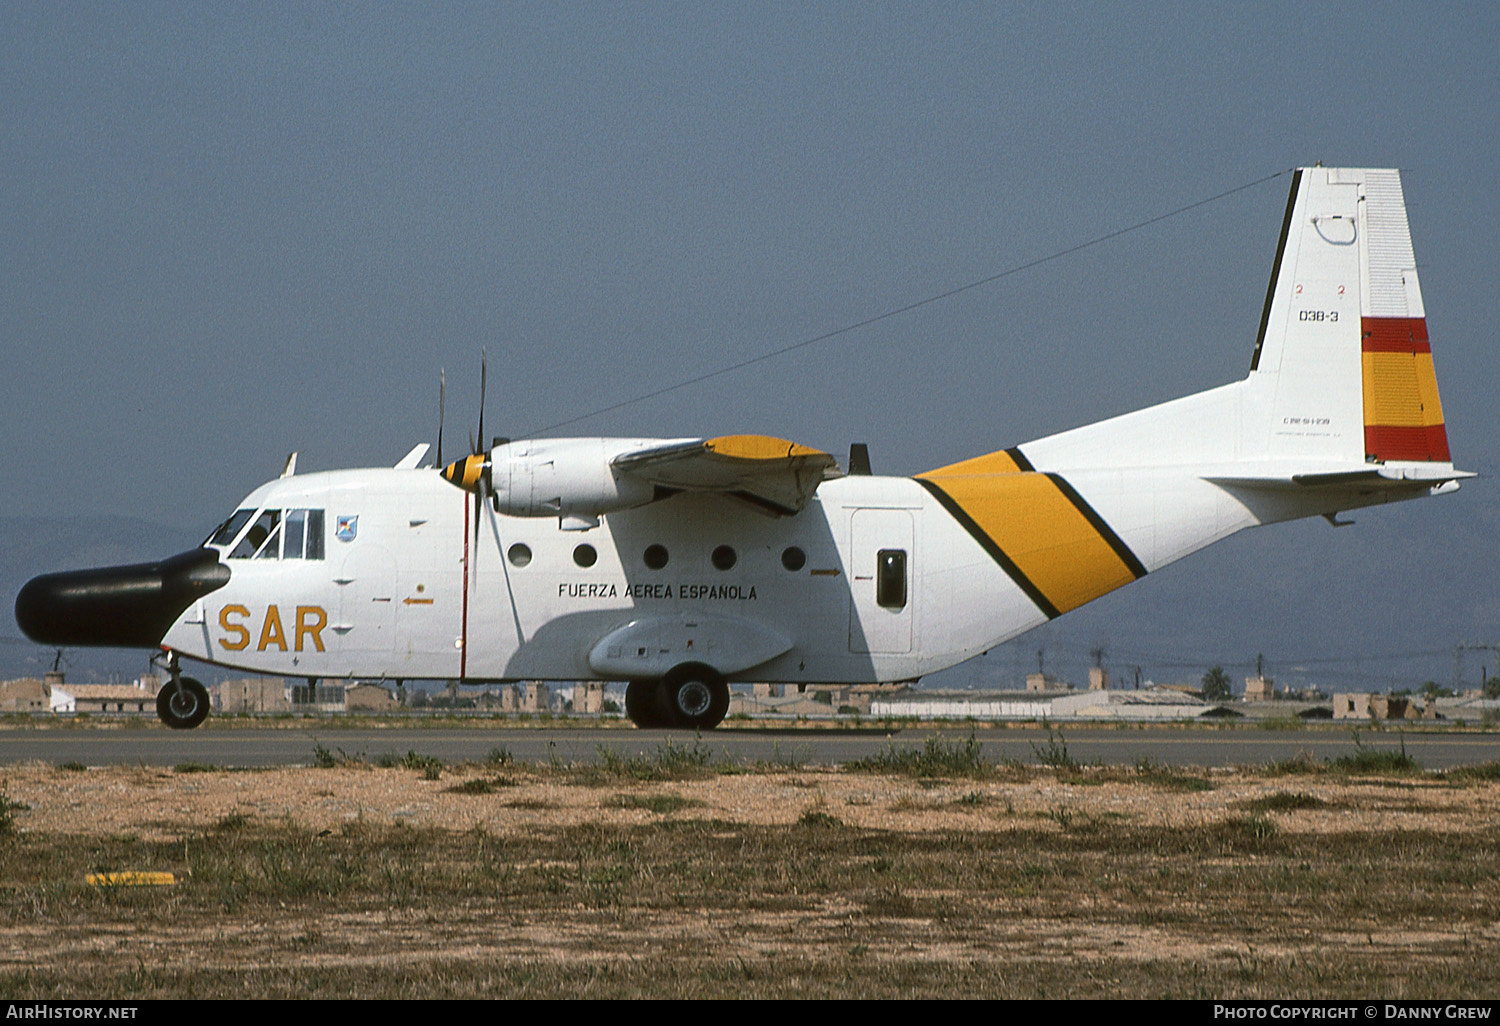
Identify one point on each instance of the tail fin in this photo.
(1342, 372)
(1343, 339)
(1340, 410)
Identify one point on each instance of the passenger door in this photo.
(880, 579)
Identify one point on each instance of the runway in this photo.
(238, 744)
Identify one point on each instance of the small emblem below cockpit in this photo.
(346, 528)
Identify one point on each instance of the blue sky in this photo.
(229, 231)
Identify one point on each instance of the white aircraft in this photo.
(682, 565)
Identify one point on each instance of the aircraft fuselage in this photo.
(407, 588)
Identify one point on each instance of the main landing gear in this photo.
(182, 703)
(690, 697)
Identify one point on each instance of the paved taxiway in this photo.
(240, 745)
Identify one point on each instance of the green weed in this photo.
(936, 758)
(1055, 752)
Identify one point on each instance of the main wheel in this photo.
(183, 705)
(696, 697)
(645, 704)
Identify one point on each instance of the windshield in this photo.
(225, 532)
(274, 534)
(265, 525)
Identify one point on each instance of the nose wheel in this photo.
(183, 702)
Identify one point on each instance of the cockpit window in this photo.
(297, 535)
(255, 539)
(225, 532)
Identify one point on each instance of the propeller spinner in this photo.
(470, 473)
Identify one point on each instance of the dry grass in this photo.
(673, 880)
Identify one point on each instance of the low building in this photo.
(369, 698)
(1360, 705)
(1473, 707)
(1259, 689)
(113, 698)
(538, 698)
(851, 700)
(1285, 708)
(1045, 682)
(317, 697)
(791, 704)
(965, 705)
(588, 697)
(1147, 704)
(27, 695)
(251, 695)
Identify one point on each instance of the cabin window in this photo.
(519, 554)
(585, 556)
(655, 556)
(793, 559)
(314, 534)
(724, 558)
(293, 532)
(890, 578)
(302, 534)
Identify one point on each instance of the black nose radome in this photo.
(119, 606)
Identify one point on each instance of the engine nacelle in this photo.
(568, 478)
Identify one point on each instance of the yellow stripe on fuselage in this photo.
(1040, 531)
(991, 463)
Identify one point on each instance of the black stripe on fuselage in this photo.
(1114, 541)
(988, 544)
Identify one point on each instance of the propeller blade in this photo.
(482, 494)
(442, 396)
(483, 369)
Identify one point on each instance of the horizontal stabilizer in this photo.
(1418, 478)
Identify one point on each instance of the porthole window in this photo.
(519, 554)
(890, 578)
(724, 558)
(793, 559)
(585, 555)
(655, 556)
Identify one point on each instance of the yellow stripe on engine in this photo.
(758, 447)
(1400, 390)
(1042, 532)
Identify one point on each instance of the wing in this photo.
(770, 474)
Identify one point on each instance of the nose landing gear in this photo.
(182, 703)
